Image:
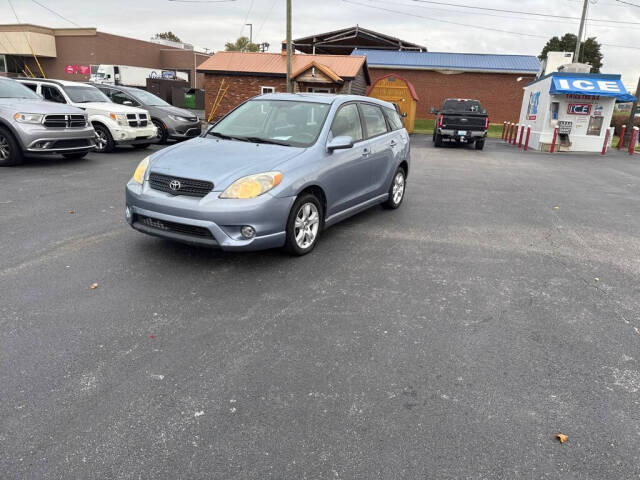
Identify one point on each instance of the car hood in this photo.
(28, 105)
(109, 107)
(170, 110)
(219, 161)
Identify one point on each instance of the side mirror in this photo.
(403, 115)
(433, 110)
(127, 102)
(484, 111)
(341, 142)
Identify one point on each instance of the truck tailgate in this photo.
(463, 122)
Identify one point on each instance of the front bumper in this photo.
(48, 140)
(133, 136)
(184, 130)
(208, 221)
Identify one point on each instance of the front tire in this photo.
(162, 134)
(104, 140)
(10, 152)
(397, 189)
(304, 225)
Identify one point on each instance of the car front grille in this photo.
(179, 185)
(181, 228)
(65, 121)
(137, 120)
(73, 143)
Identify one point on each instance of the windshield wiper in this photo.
(219, 135)
(267, 140)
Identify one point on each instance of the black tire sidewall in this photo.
(163, 138)
(290, 243)
(15, 152)
(110, 147)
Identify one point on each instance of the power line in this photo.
(519, 12)
(55, 13)
(273, 4)
(628, 3)
(244, 24)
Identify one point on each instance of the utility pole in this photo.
(632, 117)
(250, 25)
(576, 55)
(289, 50)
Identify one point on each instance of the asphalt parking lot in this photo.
(450, 339)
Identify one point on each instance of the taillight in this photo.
(440, 122)
(486, 123)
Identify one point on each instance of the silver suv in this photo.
(29, 124)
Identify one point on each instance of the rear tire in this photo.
(10, 151)
(396, 190)
(304, 225)
(104, 140)
(75, 156)
(479, 144)
(437, 140)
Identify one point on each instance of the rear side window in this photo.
(395, 121)
(31, 86)
(347, 122)
(374, 120)
(52, 94)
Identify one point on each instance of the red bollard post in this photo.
(515, 136)
(510, 132)
(606, 142)
(621, 139)
(504, 129)
(521, 135)
(555, 139)
(526, 142)
(633, 140)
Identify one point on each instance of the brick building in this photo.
(496, 80)
(63, 50)
(247, 74)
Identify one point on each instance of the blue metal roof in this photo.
(451, 61)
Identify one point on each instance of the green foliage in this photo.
(242, 44)
(589, 50)
(168, 36)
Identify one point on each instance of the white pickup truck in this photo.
(127, 75)
(114, 124)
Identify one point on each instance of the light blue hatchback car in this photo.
(273, 173)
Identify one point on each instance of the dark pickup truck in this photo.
(461, 120)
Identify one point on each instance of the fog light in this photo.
(248, 231)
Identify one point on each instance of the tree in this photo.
(168, 36)
(242, 44)
(589, 49)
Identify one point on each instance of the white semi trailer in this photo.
(133, 76)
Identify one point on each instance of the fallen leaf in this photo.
(72, 212)
(562, 437)
(93, 286)
(556, 208)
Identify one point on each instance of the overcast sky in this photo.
(211, 24)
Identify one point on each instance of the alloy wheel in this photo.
(397, 192)
(5, 150)
(306, 225)
(101, 140)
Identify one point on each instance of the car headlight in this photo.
(253, 185)
(28, 117)
(121, 118)
(141, 169)
(178, 118)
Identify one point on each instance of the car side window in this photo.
(121, 98)
(107, 91)
(32, 86)
(373, 120)
(347, 122)
(51, 93)
(394, 119)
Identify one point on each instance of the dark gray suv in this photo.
(172, 122)
(29, 124)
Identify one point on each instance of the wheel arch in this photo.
(12, 131)
(319, 192)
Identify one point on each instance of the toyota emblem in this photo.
(175, 185)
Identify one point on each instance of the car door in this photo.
(399, 143)
(380, 142)
(346, 176)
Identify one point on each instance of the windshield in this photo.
(283, 122)
(147, 98)
(85, 93)
(13, 89)
(461, 106)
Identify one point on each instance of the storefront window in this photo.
(595, 126)
(3, 64)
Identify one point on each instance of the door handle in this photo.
(366, 152)
(393, 143)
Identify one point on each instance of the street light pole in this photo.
(576, 55)
(289, 50)
(250, 25)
